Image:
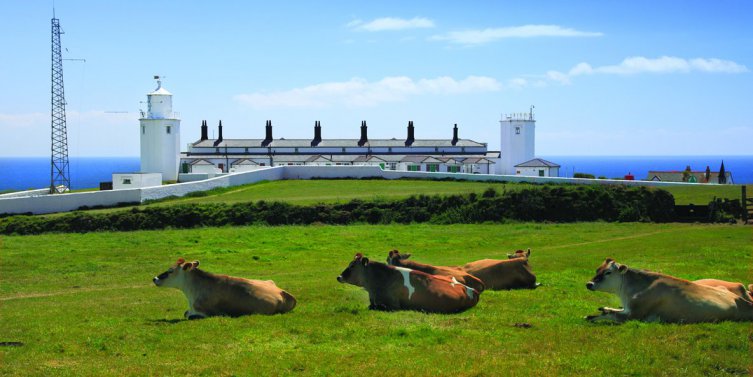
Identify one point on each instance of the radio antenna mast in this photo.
(60, 178)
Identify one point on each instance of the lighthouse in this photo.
(518, 136)
(160, 134)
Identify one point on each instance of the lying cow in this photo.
(650, 296)
(221, 295)
(736, 288)
(401, 260)
(399, 288)
(512, 273)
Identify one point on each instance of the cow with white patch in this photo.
(511, 273)
(221, 295)
(394, 258)
(399, 288)
(651, 296)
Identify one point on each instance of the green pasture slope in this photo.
(84, 304)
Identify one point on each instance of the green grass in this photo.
(84, 304)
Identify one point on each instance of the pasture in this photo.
(84, 304)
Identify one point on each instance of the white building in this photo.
(538, 168)
(160, 135)
(517, 141)
(122, 181)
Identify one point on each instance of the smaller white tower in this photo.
(160, 134)
(517, 141)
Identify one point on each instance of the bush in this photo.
(558, 203)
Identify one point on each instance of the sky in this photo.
(605, 77)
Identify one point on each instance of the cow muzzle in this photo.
(156, 281)
(340, 279)
(590, 285)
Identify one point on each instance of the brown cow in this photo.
(498, 274)
(401, 260)
(221, 295)
(736, 288)
(399, 288)
(651, 296)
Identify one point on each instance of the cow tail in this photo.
(288, 302)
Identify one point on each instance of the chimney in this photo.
(410, 139)
(455, 134)
(268, 139)
(317, 134)
(219, 139)
(364, 139)
(204, 131)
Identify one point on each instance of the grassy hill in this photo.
(84, 304)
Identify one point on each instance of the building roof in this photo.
(694, 176)
(537, 163)
(337, 143)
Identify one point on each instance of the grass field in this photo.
(84, 304)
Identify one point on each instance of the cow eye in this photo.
(608, 272)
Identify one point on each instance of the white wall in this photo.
(137, 180)
(72, 201)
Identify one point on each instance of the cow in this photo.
(401, 260)
(511, 273)
(221, 295)
(651, 296)
(736, 288)
(398, 288)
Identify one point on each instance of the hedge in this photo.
(544, 203)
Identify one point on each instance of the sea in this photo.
(22, 173)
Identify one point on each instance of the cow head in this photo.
(176, 274)
(520, 254)
(395, 258)
(608, 277)
(355, 273)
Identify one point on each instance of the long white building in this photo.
(160, 134)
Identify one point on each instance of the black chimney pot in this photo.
(204, 131)
(364, 138)
(219, 139)
(317, 134)
(268, 139)
(409, 141)
(455, 135)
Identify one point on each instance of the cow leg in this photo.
(607, 310)
(614, 317)
(386, 302)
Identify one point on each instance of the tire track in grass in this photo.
(69, 292)
(607, 240)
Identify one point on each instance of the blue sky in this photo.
(606, 78)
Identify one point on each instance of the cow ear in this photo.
(528, 253)
(622, 268)
(186, 266)
(608, 260)
(194, 264)
(365, 261)
(180, 261)
(405, 256)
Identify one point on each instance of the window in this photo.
(453, 169)
(414, 167)
(541, 172)
(167, 129)
(143, 130)
(517, 130)
(432, 167)
(263, 164)
(126, 181)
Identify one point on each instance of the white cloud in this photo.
(476, 37)
(390, 23)
(639, 64)
(359, 92)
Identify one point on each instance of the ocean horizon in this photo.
(23, 173)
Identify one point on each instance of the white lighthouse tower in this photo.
(518, 137)
(160, 134)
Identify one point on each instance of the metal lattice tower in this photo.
(60, 178)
